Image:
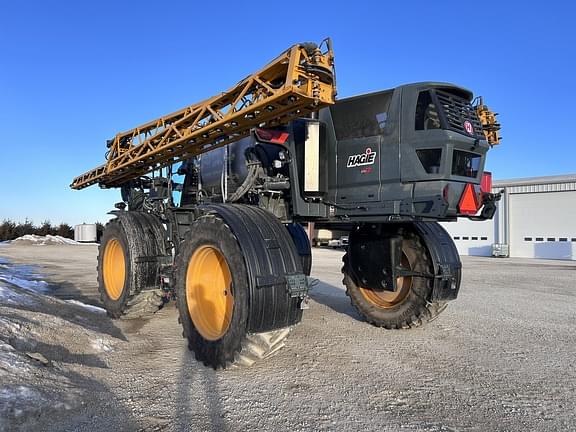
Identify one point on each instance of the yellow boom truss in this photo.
(298, 82)
(489, 123)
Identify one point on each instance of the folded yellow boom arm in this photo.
(298, 82)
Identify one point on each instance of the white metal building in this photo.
(536, 218)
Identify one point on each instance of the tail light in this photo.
(486, 184)
(271, 136)
(468, 204)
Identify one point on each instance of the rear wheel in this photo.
(212, 296)
(406, 307)
(128, 267)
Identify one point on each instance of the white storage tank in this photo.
(85, 233)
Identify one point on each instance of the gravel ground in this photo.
(499, 358)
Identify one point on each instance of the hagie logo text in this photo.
(366, 158)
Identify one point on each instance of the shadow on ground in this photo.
(195, 381)
(335, 298)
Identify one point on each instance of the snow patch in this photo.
(8, 326)
(19, 392)
(10, 297)
(30, 285)
(87, 306)
(33, 239)
(100, 345)
(21, 276)
(12, 363)
(17, 401)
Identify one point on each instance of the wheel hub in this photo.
(387, 299)
(114, 269)
(209, 292)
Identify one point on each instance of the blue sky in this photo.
(72, 74)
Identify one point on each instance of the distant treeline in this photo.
(10, 230)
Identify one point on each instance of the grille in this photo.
(457, 111)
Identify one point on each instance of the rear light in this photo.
(468, 204)
(445, 193)
(486, 184)
(271, 136)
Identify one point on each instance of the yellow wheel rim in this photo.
(389, 299)
(114, 269)
(208, 292)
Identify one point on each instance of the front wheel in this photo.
(212, 290)
(406, 307)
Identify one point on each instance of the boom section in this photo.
(298, 82)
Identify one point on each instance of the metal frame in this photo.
(490, 125)
(298, 82)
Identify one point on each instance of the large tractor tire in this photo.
(213, 286)
(129, 256)
(408, 306)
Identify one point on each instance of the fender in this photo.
(277, 284)
(445, 258)
(300, 238)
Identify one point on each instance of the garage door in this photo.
(472, 237)
(543, 225)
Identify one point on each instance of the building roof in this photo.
(559, 183)
(529, 181)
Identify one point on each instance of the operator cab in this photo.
(411, 150)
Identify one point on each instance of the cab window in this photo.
(361, 116)
(465, 164)
(426, 113)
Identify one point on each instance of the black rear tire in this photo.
(131, 245)
(410, 309)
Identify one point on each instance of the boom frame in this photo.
(299, 81)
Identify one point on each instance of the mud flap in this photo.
(445, 258)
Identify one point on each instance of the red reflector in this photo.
(445, 192)
(468, 202)
(271, 136)
(486, 184)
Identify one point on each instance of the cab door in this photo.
(366, 153)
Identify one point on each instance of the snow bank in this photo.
(42, 340)
(33, 239)
(22, 276)
(30, 285)
(11, 298)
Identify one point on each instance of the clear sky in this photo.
(73, 74)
